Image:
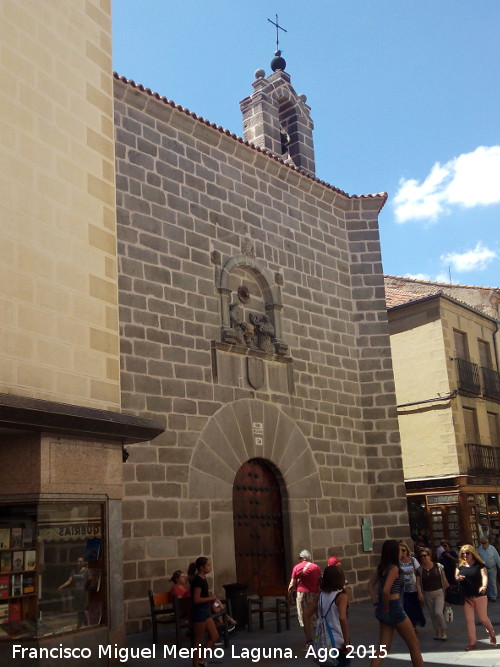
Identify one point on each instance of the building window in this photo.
(461, 347)
(467, 372)
(494, 429)
(52, 570)
(470, 422)
(491, 378)
(484, 354)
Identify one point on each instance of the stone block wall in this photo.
(190, 198)
(58, 269)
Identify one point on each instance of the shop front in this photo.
(460, 513)
(61, 563)
(53, 568)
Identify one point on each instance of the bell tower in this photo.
(277, 119)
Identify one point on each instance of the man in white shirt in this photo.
(492, 560)
(440, 549)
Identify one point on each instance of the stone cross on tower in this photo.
(276, 118)
(278, 27)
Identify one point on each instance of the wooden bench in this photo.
(162, 611)
(280, 606)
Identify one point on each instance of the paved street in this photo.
(364, 631)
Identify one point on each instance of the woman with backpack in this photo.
(332, 608)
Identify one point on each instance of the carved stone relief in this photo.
(248, 319)
(264, 332)
(244, 331)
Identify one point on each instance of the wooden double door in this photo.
(258, 526)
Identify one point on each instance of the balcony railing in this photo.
(491, 383)
(483, 459)
(468, 376)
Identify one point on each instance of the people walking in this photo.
(473, 577)
(440, 549)
(412, 596)
(201, 618)
(434, 585)
(449, 560)
(305, 581)
(181, 589)
(491, 559)
(386, 590)
(332, 606)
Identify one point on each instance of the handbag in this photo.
(455, 595)
(448, 613)
(444, 580)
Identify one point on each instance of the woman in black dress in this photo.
(473, 577)
(201, 618)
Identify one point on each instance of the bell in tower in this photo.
(277, 119)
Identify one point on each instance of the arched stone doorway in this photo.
(239, 432)
(259, 544)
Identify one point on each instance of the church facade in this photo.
(253, 329)
(243, 299)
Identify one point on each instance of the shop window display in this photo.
(52, 568)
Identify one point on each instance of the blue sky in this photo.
(405, 98)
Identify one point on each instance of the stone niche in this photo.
(251, 353)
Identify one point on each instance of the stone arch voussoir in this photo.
(231, 437)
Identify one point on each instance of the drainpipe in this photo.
(495, 339)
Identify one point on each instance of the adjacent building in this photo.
(444, 341)
(62, 431)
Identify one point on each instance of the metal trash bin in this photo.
(237, 602)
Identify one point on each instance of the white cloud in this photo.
(476, 259)
(418, 276)
(471, 179)
(444, 278)
(439, 278)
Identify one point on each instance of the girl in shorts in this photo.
(200, 611)
(183, 590)
(386, 591)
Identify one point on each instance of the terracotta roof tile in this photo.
(148, 91)
(398, 297)
(417, 281)
(400, 290)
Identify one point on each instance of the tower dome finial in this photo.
(278, 63)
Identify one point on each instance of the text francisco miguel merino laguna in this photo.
(123, 654)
